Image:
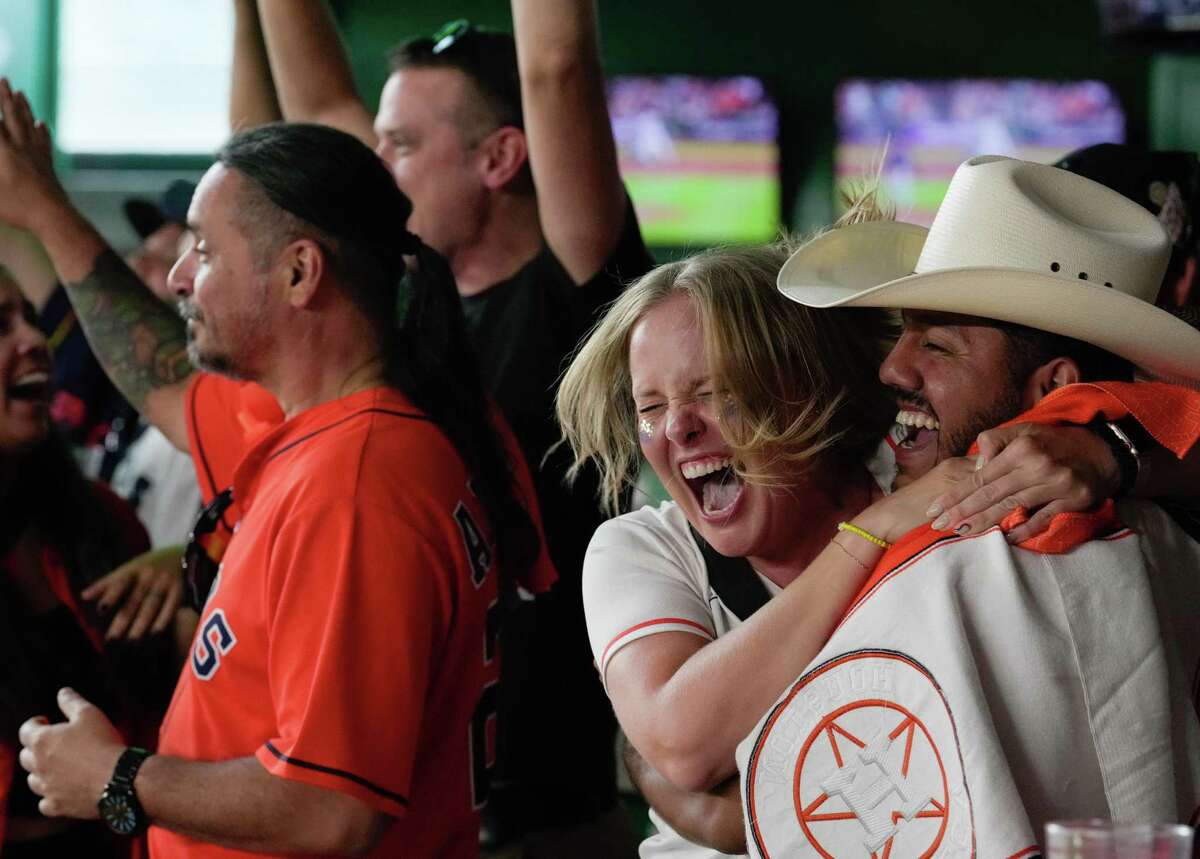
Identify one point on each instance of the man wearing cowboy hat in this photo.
(976, 688)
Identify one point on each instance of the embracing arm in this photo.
(1056, 469)
(686, 703)
(252, 100)
(140, 342)
(311, 70)
(571, 149)
(712, 818)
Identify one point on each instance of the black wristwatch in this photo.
(119, 806)
(1124, 451)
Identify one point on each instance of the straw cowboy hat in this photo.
(1018, 242)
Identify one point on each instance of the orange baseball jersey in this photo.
(349, 640)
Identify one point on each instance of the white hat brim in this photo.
(836, 270)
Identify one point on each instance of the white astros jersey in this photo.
(977, 690)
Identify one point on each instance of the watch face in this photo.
(117, 809)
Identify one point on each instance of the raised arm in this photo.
(139, 341)
(571, 149)
(310, 67)
(252, 98)
(26, 260)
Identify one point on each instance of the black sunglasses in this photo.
(204, 550)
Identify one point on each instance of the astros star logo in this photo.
(860, 760)
(872, 784)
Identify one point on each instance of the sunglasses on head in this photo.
(450, 34)
(204, 550)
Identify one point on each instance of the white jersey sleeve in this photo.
(644, 575)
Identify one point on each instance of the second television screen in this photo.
(930, 127)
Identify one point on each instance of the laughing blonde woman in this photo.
(761, 418)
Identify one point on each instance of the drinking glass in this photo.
(1102, 839)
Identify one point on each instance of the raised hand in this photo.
(27, 181)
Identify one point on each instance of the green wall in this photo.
(26, 49)
(1175, 102)
(802, 49)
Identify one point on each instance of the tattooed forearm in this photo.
(140, 342)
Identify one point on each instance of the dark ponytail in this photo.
(433, 363)
(321, 183)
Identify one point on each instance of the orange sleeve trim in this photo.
(918, 542)
(383, 792)
(906, 549)
(656, 622)
(1033, 850)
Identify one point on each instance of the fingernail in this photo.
(934, 509)
(979, 462)
(964, 528)
(941, 522)
(1011, 538)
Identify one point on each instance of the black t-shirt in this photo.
(524, 331)
(552, 707)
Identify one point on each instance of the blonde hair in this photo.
(803, 382)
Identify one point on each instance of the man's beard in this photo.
(213, 362)
(959, 440)
(210, 361)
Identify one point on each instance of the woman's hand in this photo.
(146, 591)
(1045, 469)
(893, 516)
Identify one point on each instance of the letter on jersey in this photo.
(214, 641)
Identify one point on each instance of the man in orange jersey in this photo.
(338, 696)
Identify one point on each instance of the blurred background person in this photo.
(61, 533)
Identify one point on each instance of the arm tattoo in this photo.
(140, 342)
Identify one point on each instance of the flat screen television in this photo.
(699, 156)
(928, 128)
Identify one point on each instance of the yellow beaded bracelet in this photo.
(866, 535)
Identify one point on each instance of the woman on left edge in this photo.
(58, 534)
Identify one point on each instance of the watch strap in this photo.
(1124, 451)
(127, 767)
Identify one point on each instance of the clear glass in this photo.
(1102, 839)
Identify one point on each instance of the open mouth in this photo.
(914, 430)
(30, 387)
(714, 484)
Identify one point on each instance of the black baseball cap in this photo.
(1165, 183)
(146, 216)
